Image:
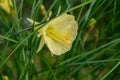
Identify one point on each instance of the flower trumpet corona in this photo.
(58, 34)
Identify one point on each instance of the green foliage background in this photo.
(95, 58)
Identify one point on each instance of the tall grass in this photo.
(95, 54)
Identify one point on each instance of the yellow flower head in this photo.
(58, 34)
(6, 5)
(4, 77)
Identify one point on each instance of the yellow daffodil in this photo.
(7, 6)
(58, 34)
(5, 77)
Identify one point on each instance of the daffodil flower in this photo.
(7, 6)
(4, 77)
(58, 34)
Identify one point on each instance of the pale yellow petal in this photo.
(55, 47)
(42, 42)
(63, 22)
(39, 35)
(32, 21)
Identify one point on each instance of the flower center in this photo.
(57, 36)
